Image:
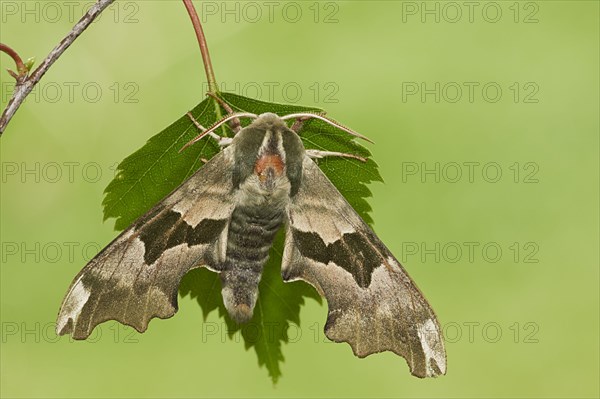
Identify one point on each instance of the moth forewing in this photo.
(136, 277)
(373, 303)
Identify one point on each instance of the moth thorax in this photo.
(269, 168)
(270, 162)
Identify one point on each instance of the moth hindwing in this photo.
(225, 217)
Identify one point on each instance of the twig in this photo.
(23, 89)
(210, 73)
(22, 71)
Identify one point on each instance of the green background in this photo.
(542, 299)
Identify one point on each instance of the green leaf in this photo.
(156, 169)
(149, 174)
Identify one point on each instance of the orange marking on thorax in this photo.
(269, 162)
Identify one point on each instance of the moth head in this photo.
(268, 148)
(270, 153)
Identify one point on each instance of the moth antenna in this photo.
(199, 127)
(322, 154)
(327, 120)
(218, 124)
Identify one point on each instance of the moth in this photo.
(225, 217)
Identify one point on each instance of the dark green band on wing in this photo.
(352, 252)
(170, 229)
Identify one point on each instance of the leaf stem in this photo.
(210, 73)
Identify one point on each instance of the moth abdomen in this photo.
(250, 236)
(240, 290)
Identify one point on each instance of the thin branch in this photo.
(210, 73)
(23, 89)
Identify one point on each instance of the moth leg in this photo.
(321, 154)
(234, 124)
(298, 123)
(222, 141)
